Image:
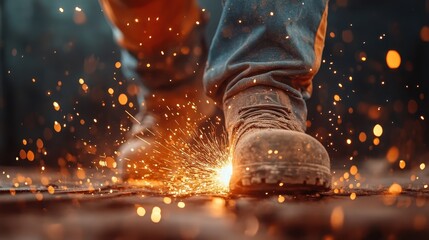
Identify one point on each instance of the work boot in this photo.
(271, 151)
(166, 123)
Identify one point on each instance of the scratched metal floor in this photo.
(112, 212)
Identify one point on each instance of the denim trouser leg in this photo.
(258, 42)
(273, 43)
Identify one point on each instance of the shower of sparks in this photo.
(204, 168)
(197, 163)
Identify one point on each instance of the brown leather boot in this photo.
(270, 150)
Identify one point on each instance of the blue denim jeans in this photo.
(257, 42)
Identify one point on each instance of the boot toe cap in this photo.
(280, 160)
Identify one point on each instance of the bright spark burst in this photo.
(196, 163)
(205, 167)
(224, 175)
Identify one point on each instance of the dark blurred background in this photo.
(360, 35)
(60, 82)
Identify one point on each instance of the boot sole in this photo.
(262, 179)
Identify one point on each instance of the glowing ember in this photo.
(337, 98)
(362, 137)
(114, 179)
(378, 130)
(402, 164)
(181, 205)
(123, 99)
(30, 156)
(156, 215)
(57, 126)
(51, 190)
(393, 59)
(353, 170)
(141, 211)
(395, 189)
(56, 106)
(167, 200)
(376, 141)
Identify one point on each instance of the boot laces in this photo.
(265, 116)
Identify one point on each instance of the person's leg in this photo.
(261, 64)
(163, 49)
(278, 43)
